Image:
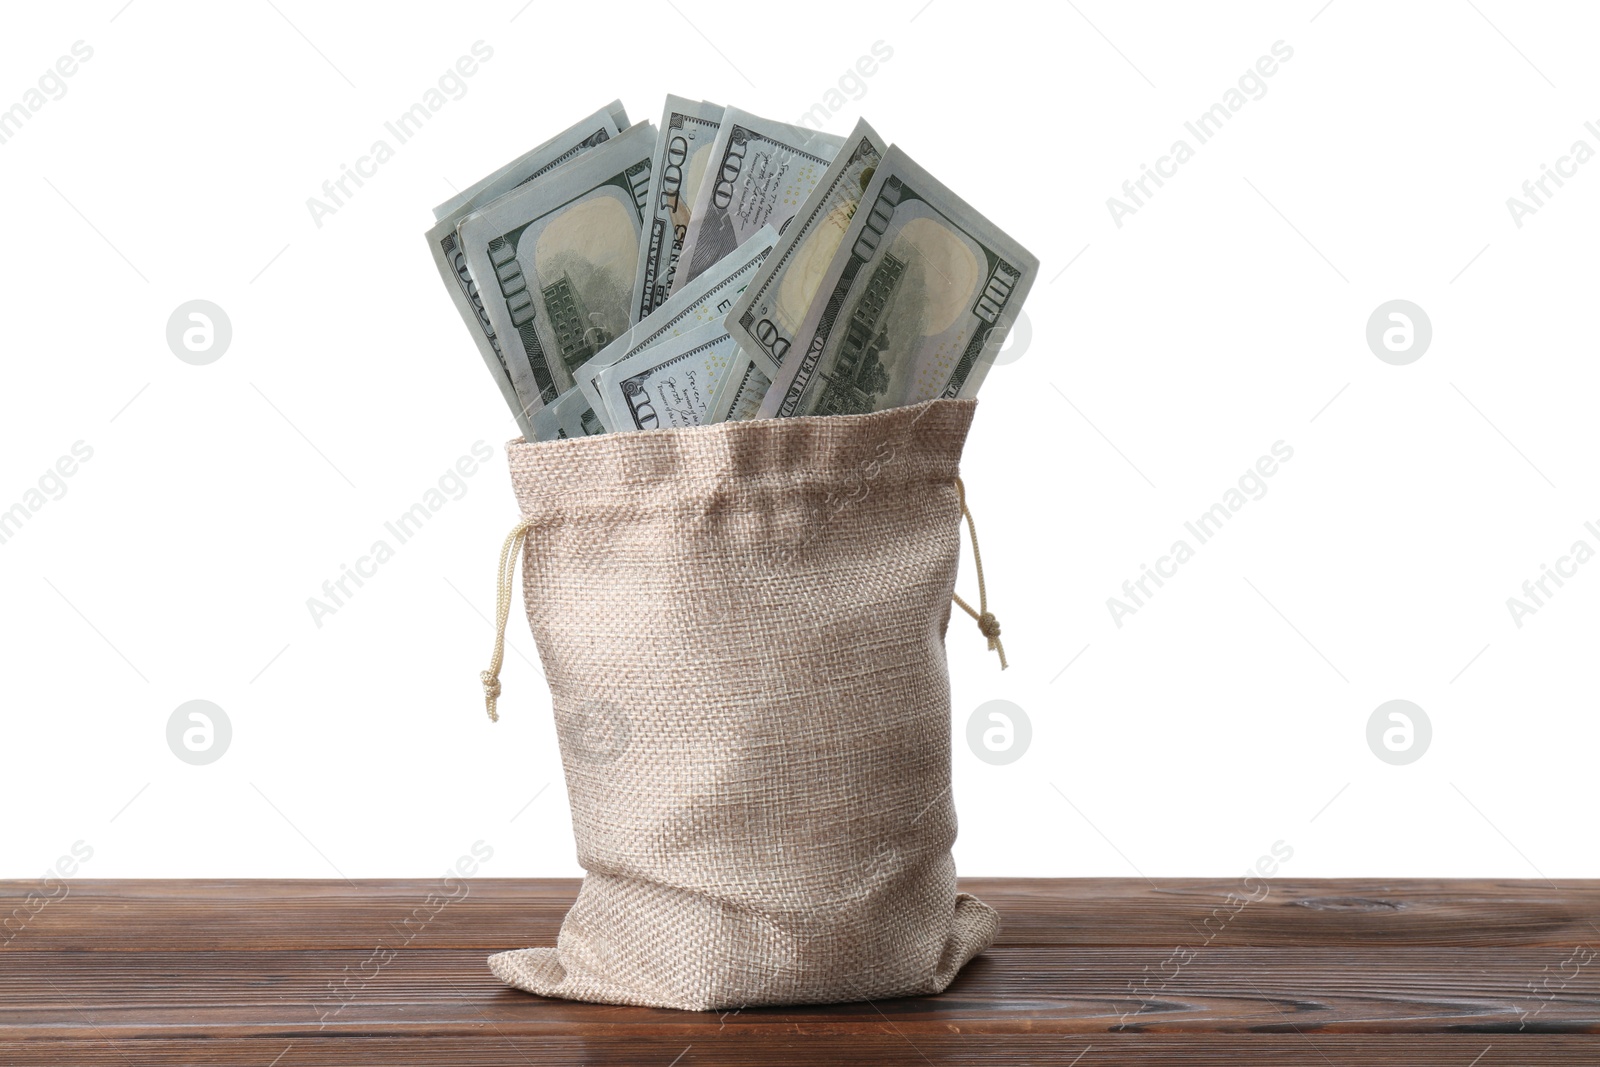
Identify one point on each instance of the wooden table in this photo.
(1092, 972)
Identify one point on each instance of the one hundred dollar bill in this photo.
(568, 415)
(538, 160)
(445, 247)
(914, 306)
(707, 299)
(670, 384)
(554, 260)
(683, 145)
(759, 173)
(764, 319)
(739, 395)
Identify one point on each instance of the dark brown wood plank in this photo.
(1011, 989)
(1341, 911)
(883, 1049)
(273, 915)
(1349, 972)
(247, 915)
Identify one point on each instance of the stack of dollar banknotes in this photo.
(722, 267)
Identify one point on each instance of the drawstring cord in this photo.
(507, 573)
(987, 623)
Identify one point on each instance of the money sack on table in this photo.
(742, 627)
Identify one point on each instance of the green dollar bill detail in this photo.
(450, 260)
(739, 396)
(683, 147)
(569, 415)
(554, 261)
(670, 384)
(704, 300)
(914, 305)
(775, 302)
(760, 173)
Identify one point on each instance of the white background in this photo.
(1165, 356)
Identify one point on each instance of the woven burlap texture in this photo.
(742, 627)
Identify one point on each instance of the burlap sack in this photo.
(743, 629)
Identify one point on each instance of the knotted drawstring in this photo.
(508, 566)
(987, 623)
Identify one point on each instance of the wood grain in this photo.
(1462, 972)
